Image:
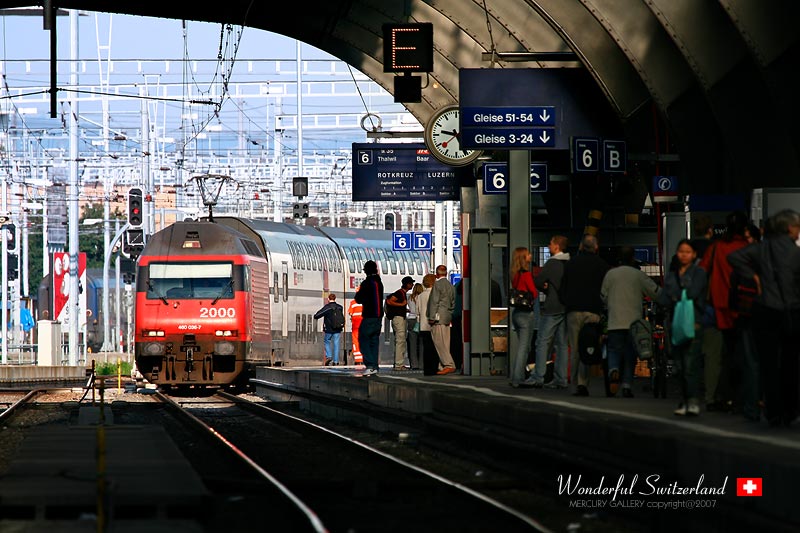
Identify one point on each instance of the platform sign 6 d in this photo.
(401, 241)
(495, 178)
(422, 241)
(456, 241)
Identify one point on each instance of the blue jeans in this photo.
(523, 325)
(332, 346)
(369, 334)
(621, 355)
(552, 335)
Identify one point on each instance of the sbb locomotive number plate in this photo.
(217, 312)
(189, 326)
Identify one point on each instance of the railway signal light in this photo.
(300, 187)
(133, 243)
(10, 236)
(135, 215)
(13, 266)
(389, 221)
(300, 210)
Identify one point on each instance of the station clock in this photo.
(443, 138)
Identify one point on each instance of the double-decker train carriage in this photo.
(216, 298)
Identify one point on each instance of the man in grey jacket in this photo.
(623, 291)
(440, 313)
(774, 265)
(552, 324)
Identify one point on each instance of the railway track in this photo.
(248, 468)
(349, 485)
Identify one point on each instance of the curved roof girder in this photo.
(681, 54)
(598, 51)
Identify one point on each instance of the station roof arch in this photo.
(709, 83)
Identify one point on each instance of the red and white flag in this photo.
(748, 486)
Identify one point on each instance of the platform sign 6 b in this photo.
(401, 241)
(585, 154)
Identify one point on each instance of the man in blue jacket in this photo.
(332, 325)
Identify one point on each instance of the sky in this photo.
(150, 51)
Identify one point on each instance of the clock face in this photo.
(443, 138)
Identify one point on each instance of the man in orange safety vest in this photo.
(354, 310)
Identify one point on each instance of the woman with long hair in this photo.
(687, 275)
(413, 327)
(522, 318)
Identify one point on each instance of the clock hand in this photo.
(455, 136)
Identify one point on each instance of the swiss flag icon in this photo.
(748, 486)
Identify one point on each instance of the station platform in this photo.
(11, 375)
(52, 483)
(611, 441)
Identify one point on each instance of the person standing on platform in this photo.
(396, 311)
(354, 310)
(456, 327)
(333, 323)
(688, 275)
(751, 392)
(370, 296)
(522, 319)
(440, 313)
(427, 355)
(580, 293)
(774, 265)
(552, 321)
(623, 291)
(413, 325)
(720, 370)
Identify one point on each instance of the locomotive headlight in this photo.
(226, 333)
(223, 348)
(153, 348)
(153, 333)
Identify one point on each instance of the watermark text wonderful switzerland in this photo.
(650, 491)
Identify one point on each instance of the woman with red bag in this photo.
(522, 316)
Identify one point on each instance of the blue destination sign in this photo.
(508, 116)
(404, 172)
(508, 138)
(578, 106)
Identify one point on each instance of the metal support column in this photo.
(519, 221)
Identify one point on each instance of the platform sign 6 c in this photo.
(401, 241)
(422, 241)
(495, 178)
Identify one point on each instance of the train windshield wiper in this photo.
(223, 292)
(158, 294)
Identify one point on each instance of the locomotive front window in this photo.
(193, 280)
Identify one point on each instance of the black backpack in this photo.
(590, 346)
(337, 318)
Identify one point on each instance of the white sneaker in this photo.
(681, 410)
(694, 408)
(369, 372)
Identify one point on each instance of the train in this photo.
(217, 297)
